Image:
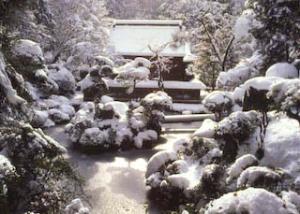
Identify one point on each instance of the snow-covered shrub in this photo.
(259, 86)
(238, 125)
(93, 86)
(76, 207)
(286, 96)
(239, 165)
(284, 70)
(133, 72)
(207, 129)
(281, 143)
(55, 109)
(246, 69)
(258, 176)
(40, 175)
(219, 102)
(63, 78)
(251, 200)
(157, 101)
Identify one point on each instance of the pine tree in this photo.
(278, 35)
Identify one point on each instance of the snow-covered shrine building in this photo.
(138, 38)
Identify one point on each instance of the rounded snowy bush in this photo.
(157, 101)
(252, 201)
(284, 70)
(219, 102)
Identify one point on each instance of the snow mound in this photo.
(283, 70)
(281, 144)
(252, 201)
(63, 78)
(207, 129)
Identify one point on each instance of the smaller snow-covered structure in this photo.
(155, 42)
(136, 38)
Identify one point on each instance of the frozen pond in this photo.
(115, 181)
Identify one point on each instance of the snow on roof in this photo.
(133, 37)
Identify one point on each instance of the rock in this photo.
(26, 56)
(58, 116)
(39, 118)
(64, 79)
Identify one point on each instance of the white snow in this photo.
(281, 144)
(120, 108)
(252, 201)
(94, 136)
(5, 83)
(258, 83)
(207, 129)
(251, 174)
(159, 98)
(191, 108)
(283, 70)
(243, 71)
(292, 198)
(106, 99)
(239, 165)
(6, 168)
(63, 77)
(139, 36)
(153, 84)
(144, 136)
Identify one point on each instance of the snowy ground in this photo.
(115, 181)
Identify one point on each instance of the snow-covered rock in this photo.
(63, 78)
(283, 70)
(252, 201)
(27, 52)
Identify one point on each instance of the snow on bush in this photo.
(134, 71)
(281, 145)
(259, 84)
(250, 200)
(239, 165)
(246, 69)
(219, 102)
(159, 160)
(284, 70)
(258, 176)
(6, 85)
(149, 135)
(286, 95)
(207, 129)
(157, 100)
(55, 109)
(76, 207)
(239, 124)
